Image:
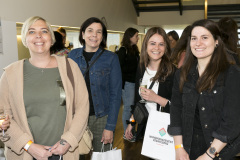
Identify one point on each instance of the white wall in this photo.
(9, 42)
(119, 14)
(170, 19)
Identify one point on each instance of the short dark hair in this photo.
(174, 35)
(87, 23)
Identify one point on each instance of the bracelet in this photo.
(26, 147)
(209, 155)
(178, 146)
(132, 122)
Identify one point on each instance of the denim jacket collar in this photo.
(80, 54)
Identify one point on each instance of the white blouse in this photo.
(148, 74)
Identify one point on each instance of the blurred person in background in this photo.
(177, 56)
(128, 55)
(229, 34)
(58, 47)
(173, 38)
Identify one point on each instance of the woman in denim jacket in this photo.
(206, 97)
(103, 80)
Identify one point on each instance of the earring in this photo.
(216, 46)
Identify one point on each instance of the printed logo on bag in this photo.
(161, 139)
(162, 132)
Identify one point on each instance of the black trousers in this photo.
(54, 157)
(198, 146)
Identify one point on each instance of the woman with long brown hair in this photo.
(205, 101)
(177, 56)
(128, 56)
(156, 68)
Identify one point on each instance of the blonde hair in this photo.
(29, 22)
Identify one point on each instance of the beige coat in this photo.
(11, 98)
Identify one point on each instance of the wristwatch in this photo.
(212, 150)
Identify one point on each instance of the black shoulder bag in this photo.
(140, 112)
(93, 63)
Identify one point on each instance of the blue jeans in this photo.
(128, 99)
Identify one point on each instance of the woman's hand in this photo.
(6, 123)
(128, 132)
(181, 154)
(60, 148)
(107, 136)
(39, 152)
(148, 94)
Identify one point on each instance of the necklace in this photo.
(42, 69)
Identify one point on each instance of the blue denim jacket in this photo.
(106, 83)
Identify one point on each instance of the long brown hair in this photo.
(217, 64)
(229, 32)
(126, 42)
(180, 46)
(165, 68)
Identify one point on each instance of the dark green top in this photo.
(45, 113)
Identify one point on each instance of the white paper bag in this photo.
(157, 143)
(113, 154)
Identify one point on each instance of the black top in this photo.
(128, 62)
(88, 56)
(218, 109)
(232, 56)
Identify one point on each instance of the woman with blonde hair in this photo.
(48, 116)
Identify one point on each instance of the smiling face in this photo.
(156, 47)
(202, 43)
(134, 39)
(38, 38)
(93, 37)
